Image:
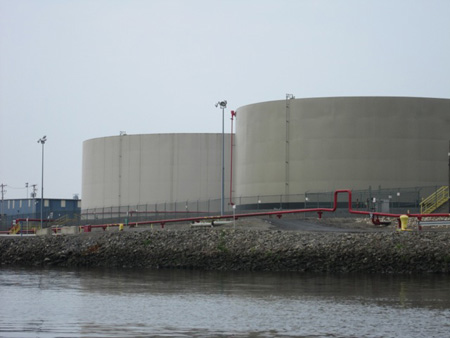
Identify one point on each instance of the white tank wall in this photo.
(342, 142)
(153, 168)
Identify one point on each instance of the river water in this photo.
(174, 303)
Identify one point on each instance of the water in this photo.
(172, 303)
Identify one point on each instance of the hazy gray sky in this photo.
(76, 70)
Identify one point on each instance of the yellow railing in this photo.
(66, 220)
(15, 229)
(434, 201)
(63, 220)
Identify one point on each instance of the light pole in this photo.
(222, 105)
(3, 191)
(42, 141)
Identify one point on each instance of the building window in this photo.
(29, 203)
(20, 204)
(63, 203)
(46, 203)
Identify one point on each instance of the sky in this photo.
(77, 70)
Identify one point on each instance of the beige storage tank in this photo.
(294, 146)
(146, 169)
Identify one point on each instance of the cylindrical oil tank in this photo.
(145, 169)
(295, 146)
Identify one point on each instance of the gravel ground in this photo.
(330, 245)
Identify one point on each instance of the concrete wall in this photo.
(152, 168)
(323, 144)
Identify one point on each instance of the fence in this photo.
(70, 217)
(401, 200)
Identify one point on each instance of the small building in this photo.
(52, 209)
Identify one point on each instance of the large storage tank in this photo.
(133, 170)
(295, 146)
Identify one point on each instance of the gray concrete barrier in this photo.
(71, 230)
(44, 232)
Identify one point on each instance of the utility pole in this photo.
(448, 177)
(3, 195)
(33, 196)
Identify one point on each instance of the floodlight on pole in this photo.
(42, 141)
(222, 105)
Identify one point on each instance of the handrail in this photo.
(15, 229)
(435, 200)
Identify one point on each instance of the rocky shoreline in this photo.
(237, 248)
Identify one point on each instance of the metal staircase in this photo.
(65, 220)
(435, 200)
(60, 221)
(15, 229)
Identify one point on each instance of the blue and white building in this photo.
(53, 208)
